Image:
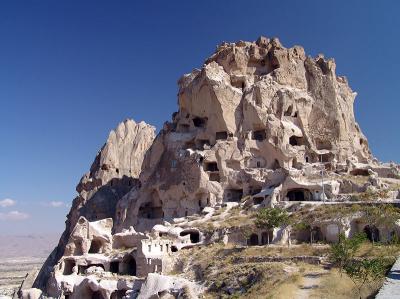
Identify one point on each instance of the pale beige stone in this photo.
(258, 125)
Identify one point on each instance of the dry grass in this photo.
(371, 195)
(394, 184)
(219, 211)
(235, 217)
(311, 214)
(225, 276)
(370, 250)
(337, 286)
(283, 290)
(284, 251)
(330, 285)
(357, 179)
(214, 264)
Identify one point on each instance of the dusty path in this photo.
(310, 281)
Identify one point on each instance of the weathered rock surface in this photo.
(113, 173)
(258, 125)
(254, 114)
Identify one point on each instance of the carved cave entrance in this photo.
(114, 267)
(299, 195)
(372, 233)
(233, 194)
(153, 209)
(68, 266)
(211, 166)
(316, 234)
(296, 141)
(200, 122)
(221, 135)
(258, 200)
(259, 135)
(253, 240)
(128, 265)
(95, 246)
(194, 235)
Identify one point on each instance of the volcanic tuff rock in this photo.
(256, 122)
(113, 173)
(253, 112)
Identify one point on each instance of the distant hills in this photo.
(32, 245)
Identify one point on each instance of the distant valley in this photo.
(20, 255)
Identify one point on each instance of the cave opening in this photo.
(259, 135)
(223, 135)
(114, 267)
(200, 122)
(68, 267)
(211, 166)
(253, 240)
(128, 265)
(299, 195)
(95, 246)
(194, 235)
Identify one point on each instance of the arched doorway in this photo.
(128, 265)
(253, 240)
(95, 246)
(316, 234)
(372, 233)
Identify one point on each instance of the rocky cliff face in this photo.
(256, 125)
(113, 173)
(253, 112)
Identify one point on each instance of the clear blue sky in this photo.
(71, 70)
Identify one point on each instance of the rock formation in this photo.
(113, 173)
(258, 122)
(252, 114)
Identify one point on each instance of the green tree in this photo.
(296, 223)
(344, 250)
(269, 218)
(360, 270)
(366, 271)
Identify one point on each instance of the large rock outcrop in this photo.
(257, 125)
(253, 112)
(113, 173)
